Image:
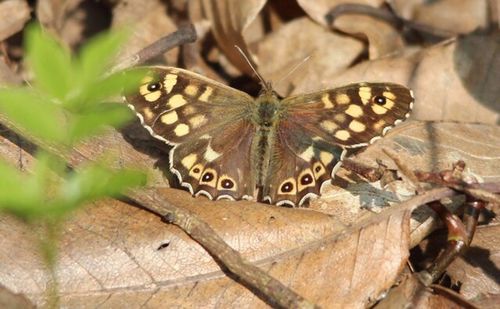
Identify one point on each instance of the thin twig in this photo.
(382, 14)
(184, 35)
(275, 292)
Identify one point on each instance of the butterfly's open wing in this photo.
(317, 128)
(207, 124)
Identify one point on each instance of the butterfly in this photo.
(230, 145)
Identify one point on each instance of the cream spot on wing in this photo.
(148, 114)
(146, 79)
(389, 95)
(307, 154)
(326, 101)
(329, 125)
(325, 157)
(176, 101)
(357, 126)
(389, 104)
(206, 94)
(189, 160)
(198, 121)
(342, 98)
(379, 110)
(354, 111)
(211, 154)
(365, 93)
(318, 170)
(153, 96)
(305, 180)
(379, 125)
(342, 135)
(209, 177)
(189, 110)
(196, 170)
(181, 129)
(191, 90)
(170, 81)
(169, 118)
(339, 118)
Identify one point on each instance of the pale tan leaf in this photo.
(330, 54)
(148, 21)
(13, 14)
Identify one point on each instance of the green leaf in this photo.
(30, 111)
(95, 182)
(115, 84)
(97, 55)
(94, 120)
(19, 193)
(50, 62)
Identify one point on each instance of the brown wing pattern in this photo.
(318, 127)
(206, 123)
(354, 115)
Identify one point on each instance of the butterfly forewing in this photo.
(177, 105)
(206, 122)
(353, 115)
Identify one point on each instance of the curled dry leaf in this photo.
(13, 14)
(453, 16)
(229, 19)
(383, 39)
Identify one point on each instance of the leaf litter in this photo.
(349, 247)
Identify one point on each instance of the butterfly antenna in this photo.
(265, 84)
(298, 65)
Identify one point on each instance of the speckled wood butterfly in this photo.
(227, 144)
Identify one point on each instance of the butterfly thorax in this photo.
(266, 117)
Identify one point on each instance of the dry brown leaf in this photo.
(148, 21)
(454, 16)
(13, 15)
(72, 21)
(383, 39)
(478, 271)
(318, 9)
(229, 19)
(13, 301)
(109, 255)
(410, 293)
(330, 53)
